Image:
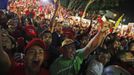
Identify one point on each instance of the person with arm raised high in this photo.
(70, 60)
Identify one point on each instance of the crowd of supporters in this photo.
(31, 43)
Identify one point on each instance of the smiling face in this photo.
(34, 58)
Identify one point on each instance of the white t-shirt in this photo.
(94, 68)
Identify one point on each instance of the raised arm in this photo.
(96, 40)
(4, 59)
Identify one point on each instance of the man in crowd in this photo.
(33, 59)
(53, 52)
(96, 66)
(131, 46)
(70, 60)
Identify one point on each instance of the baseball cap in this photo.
(35, 41)
(67, 42)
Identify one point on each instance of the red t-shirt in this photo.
(18, 69)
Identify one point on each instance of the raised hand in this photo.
(106, 27)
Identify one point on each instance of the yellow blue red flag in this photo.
(118, 21)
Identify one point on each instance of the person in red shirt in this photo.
(33, 59)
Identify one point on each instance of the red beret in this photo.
(35, 41)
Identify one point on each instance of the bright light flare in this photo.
(44, 2)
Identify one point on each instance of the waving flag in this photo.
(100, 21)
(118, 21)
(3, 4)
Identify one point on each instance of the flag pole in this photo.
(54, 16)
(83, 15)
(85, 10)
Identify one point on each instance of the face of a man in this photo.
(69, 51)
(11, 26)
(47, 22)
(3, 18)
(47, 38)
(6, 41)
(84, 41)
(116, 44)
(104, 58)
(132, 47)
(34, 58)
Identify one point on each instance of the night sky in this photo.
(127, 7)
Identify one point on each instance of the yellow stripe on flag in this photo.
(118, 21)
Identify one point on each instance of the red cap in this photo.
(30, 31)
(69, 33)
(35, 41)
(20, 40)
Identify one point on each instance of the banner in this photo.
(3, 4)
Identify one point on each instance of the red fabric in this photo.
(100, 22)
(34, 1)
(33, 12)
(40, 8)
(27, 12)
(19, 69)
(30, 12)
(111, 30)
(81, 13)
(69, 33)
(31, 31)
(20, 40)
(42, 15)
